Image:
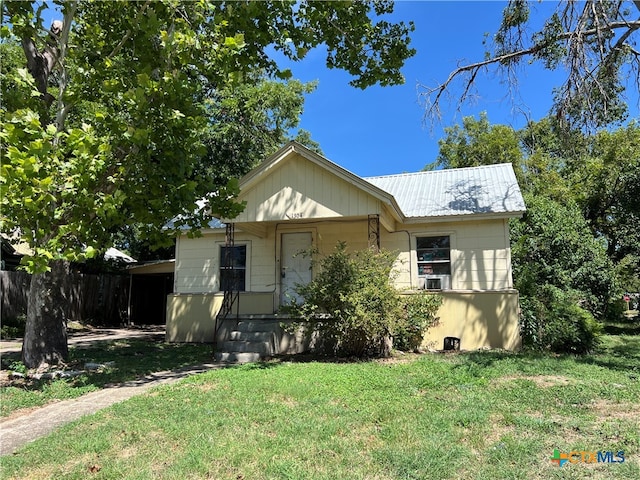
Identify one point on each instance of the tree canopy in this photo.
(594, 41)
(128, 107)
(134, 98)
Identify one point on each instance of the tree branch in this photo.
(63, 40)
(127, 35)
(432, 107)
(40, 64)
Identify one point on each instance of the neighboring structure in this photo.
(149, 285)
(12, 253)
(449, 227)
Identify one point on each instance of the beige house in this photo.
(450, 228)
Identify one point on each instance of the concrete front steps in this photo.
(251, 339)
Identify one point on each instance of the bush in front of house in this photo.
(419, 315)
(354, 307)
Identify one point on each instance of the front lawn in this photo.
(113, 362)
(483, 415)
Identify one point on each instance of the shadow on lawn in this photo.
(116, 361)
(620, 353)
(619, 350)
(626, 328)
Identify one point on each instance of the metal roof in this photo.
(214, 223)
(490, 189)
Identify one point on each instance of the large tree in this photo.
(578, 242)
(594, 41)
(477, 142)
(248, 121)
(118, 137)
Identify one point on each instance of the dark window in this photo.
(233, 268)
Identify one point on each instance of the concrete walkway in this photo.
(16, 431)
(88, 338)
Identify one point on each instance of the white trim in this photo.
(413, 258)
(463, 217)
(507, 247)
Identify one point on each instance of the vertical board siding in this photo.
(305, 190)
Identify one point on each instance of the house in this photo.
(449, 227)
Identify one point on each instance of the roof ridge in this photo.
(444, 170)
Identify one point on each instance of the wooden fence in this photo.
(94, 299)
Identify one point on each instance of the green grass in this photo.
(131, 359)
(483, 415)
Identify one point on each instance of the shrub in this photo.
(354, 307)
(419, 315)
(554, 320)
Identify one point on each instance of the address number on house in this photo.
(293, 216)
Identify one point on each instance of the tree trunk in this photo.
(45, 337)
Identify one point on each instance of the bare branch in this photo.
(579, 70)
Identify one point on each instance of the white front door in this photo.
(295, 268)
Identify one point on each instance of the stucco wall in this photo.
(478, 319)
(191, 317)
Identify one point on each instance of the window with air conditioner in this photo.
(434, 262)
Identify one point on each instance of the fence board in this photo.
(94, 299)
(14, 288)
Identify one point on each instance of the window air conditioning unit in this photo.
(437, 282)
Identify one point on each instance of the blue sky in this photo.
(382, 131)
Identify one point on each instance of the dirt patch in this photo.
(5, 380)
(542, 381)
(399, 359)
(608, 410)
(202, 387)
(285, 400)
(21, 412)
(498, 429)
